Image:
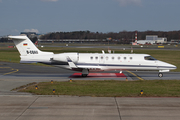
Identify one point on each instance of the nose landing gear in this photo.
(160, 74)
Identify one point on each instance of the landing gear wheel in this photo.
(85, 72)
(84, 75)
(160, 75)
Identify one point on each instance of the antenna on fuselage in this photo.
(131, 49)
(103, 52)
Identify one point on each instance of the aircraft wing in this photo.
(73, 66)
(70, 62)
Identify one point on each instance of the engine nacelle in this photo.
(63, 57)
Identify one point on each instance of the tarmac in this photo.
(30, 107)
(19, 106)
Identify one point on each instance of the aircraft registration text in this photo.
(32, 52)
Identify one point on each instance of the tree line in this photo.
(123, 35)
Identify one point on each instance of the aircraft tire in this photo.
(84, 75)
(160, 75)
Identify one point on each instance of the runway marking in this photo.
(13, 70)
(5, 67)
(135, 75)
(78, 75)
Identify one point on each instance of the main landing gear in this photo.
(160, 74)
(85, 72)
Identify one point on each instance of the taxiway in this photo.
(13, 75)
(19, 106)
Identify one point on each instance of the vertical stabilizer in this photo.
(25, 46)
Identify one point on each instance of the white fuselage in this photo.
(96, 61)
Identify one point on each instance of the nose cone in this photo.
(164, 65)
(173, 67)
(170, 66)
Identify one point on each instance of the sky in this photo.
(44, 16)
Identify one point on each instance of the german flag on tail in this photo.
(25, 44)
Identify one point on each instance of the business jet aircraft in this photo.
(87, 62)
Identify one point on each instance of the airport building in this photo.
(152, 39)
(175, 41)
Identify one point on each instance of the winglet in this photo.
(70, 62)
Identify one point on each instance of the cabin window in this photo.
(130, 58)
(149, 58)
(119, 58)
(96, 58)
(91, 58)
(124, 58)
(106, 57)
(101, 57)
(112, 58)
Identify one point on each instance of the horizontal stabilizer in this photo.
(17, 37)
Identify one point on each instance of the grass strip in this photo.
(108, 88)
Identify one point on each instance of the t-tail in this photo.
(29, 53)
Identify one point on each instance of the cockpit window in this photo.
(149, 58)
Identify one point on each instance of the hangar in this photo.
(153, 39)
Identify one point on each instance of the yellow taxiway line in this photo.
(13, 70)
(135, 75)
